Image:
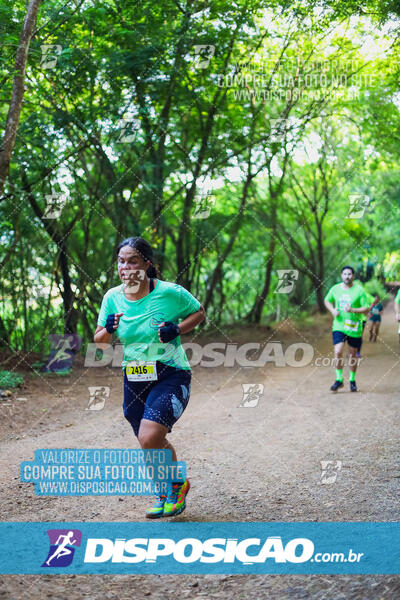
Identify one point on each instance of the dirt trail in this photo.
(261, 463)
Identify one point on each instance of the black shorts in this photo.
(162, 400)
(375, 319)
(339, 336)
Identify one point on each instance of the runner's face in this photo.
(347, 276)
(129, 262)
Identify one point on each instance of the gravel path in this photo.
(261, 463)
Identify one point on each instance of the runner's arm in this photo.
(362, 309)
(101, 336)
(396, 310)
(334, 311)
(192, 320)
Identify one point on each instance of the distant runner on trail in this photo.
(375, 318)
(149, 315)
(397, 311)
(364, 317)
(346, 302)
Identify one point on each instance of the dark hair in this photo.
(348, 267)
(144, 249)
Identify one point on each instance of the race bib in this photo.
(350, 325)
(138, 370)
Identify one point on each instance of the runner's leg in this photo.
(362, 333)
(165, 404)
(370, 329)
(353, 344)
(352, 360)
(135, 395)
(338, 342)
(152, 436)
(338, 362)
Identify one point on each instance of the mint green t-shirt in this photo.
(349, 323)
(397, 298)
(138, 326)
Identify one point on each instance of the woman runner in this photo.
(375, 318)
(149, 315)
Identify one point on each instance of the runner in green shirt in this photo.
(149, 315)
(347, 303)
(397, 310)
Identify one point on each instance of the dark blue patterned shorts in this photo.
(162, 400)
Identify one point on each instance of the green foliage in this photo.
(9, 379)
(391, 265)
(374, 286)
(190, 128)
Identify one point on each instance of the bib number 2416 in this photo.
(141, 371)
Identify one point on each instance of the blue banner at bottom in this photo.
(200, 548)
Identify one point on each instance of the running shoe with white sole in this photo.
(176, 499)
(157, 510)
(338, 384)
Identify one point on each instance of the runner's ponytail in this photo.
(152, 272)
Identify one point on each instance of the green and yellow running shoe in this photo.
(157, 510)
(176, 499)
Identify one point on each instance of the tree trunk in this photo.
(70, 314)
(4, 335)
(217, 274)
(254, 315)
(321, 271)
(14, 111)
(48, 305)
(320, 298)
(24, 295)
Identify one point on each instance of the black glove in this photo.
(110, 325)
(169, 331)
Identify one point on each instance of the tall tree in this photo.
(14, 111)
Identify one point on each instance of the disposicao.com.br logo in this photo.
(62, 547)
(200, 547)
(213, 550)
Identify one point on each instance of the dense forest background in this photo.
(239, 138)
